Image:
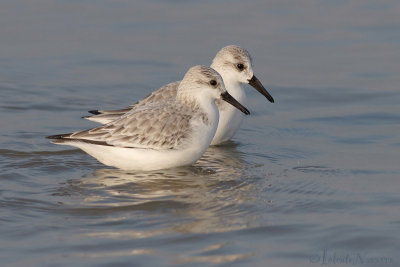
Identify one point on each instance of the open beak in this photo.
(259, 87)
(228, 98)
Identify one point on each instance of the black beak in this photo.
(228, 98)
(259, 87)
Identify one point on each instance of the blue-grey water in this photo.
(311, 180)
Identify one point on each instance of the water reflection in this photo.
(211, 197)
(202, 198)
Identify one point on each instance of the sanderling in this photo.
(163, 134)
(234, 64)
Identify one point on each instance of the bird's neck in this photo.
(202, 106)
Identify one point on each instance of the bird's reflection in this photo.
(206, 192)
(211, 196)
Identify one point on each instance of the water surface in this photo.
(310, 180)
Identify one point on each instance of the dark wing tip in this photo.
(95, 112)
(58, 136)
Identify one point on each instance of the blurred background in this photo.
(310, 179)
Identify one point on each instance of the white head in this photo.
(234, 62)
(235, 65)
(204, 82)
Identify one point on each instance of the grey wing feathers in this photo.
(165, 92)
(155, 127)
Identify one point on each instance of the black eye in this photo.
(240, 66)
(213, 82)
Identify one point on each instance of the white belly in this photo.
(151, 159)
(141, 159)
(230, 118)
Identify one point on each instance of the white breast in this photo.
(230, 118)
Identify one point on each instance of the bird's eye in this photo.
(213, 82)
(240, 66)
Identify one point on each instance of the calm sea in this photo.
(310, 180)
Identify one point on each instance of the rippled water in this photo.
(310, 180)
